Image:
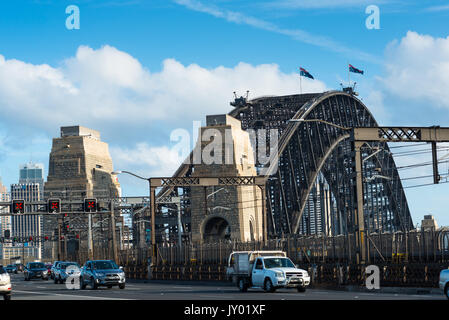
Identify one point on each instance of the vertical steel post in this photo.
(264, 213)
(153, 223)
(436, 176)
(359, 218)
(178, 205)
(59, 238)
(89, 237)
(114, 237)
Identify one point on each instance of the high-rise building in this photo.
(5, 221)
(32, 173)
(27, 225)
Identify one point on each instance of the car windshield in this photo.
(65, 265)
(100, 265)
(2, 270)
(36, 265)
(278, 263)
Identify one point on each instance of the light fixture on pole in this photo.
(152, 207)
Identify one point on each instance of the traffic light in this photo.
(90, 205)
(77, 236)
(30, 238)
(65, 227)
(7, 234)
(46, 238)
(54, 206)
(18, 206)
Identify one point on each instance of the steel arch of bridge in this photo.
(311, 189)
(311, 182)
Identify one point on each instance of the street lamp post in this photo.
(152, 191)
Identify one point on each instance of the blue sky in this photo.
(137, 70)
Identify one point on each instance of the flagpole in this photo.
(349, 76)
(300, 83)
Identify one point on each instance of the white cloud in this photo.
(295, 34)
(106, 86)
(134, 109)
(157, 161)
(375, 102)
(417, 67)
(438, 8)
(319, 4)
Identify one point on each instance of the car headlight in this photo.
(279, 274)
(306, 274)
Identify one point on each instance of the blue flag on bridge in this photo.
(355, 70)
(303, 72)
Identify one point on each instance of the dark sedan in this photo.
(35, 270)
(11, 268)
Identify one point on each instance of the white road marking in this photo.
(220, 297)
(69, 295)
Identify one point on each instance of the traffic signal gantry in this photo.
(52, 206)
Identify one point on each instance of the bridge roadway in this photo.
(171, 290)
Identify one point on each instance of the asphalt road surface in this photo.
(169, 290)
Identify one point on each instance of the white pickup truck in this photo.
(268, 270)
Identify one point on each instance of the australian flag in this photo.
(355, 70)
(303, 72)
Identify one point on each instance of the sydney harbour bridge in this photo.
(311, 186)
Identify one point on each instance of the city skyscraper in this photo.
(5, 221)
(27, 225)
(32, 173)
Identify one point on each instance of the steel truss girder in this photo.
(303, 150)
(308, 151)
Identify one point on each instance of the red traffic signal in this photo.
(90, 205)
(30, 238)
(18, 206)
(77, 236)
(54, 206)
(46, 238)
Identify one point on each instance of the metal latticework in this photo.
(311, 187)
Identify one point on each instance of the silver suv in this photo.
(5, 284)
(104, 273)
(64, 270)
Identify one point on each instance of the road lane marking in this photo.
(69, 295)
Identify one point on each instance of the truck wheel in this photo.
(268, 286)
(243, 287)
(301, 289)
